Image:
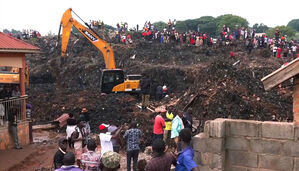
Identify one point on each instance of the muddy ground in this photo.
(205, 78)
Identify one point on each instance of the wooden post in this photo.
(22, 86)
(296, 100)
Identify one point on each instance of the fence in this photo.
(14, 102)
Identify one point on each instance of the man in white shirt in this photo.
(105, 138)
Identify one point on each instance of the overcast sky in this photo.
(45, 16)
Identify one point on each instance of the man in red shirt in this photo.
(159, 125)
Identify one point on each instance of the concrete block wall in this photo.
(242, 145)
(6, 140)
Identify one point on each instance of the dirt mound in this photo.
(205, 78)
(223, 90)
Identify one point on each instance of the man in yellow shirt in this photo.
(167, 130)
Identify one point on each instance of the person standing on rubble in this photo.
(167, 130)
(115, 141)
(145, 86)
(132, 136)
(105, 138)
(70, 128)
(85, 115)
(159, 124)
(176, 126)
(78, 136)
(187, 119)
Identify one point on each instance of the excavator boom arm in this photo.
(67, 22)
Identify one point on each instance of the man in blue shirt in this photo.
(185, 160)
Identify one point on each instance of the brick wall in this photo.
(296, 100)
(242, 145)
(6, 141)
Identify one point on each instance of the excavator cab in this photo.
(115, 80)
(111, 78)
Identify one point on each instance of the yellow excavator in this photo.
(112, 79)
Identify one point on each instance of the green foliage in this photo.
(160, 25)
(207, 24)
(260, 28)
(294, 24)
(12, 31)
(181, 26)
(231, 21)
(284, 30)
(109, 27)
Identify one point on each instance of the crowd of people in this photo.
(29, 33)
(92, 152)
(97, 24)
(280, 45)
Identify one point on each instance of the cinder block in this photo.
(210, 160)
(218, 161)
(238, 168)
(278, 130)
(213, 145)
(237, 143)
(243, 128)
(290, 148)
(216, 128)
(265, 146)
(276, 162)
(296, 127)
(244, 159)
(296, 166)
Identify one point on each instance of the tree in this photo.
(294, 24)
(207, 24)
(260, 28)
(181, 26)
(231, 21)
(160, 25)
(284, 30)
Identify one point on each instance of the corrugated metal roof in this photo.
(11, 43)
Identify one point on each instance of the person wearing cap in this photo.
(105, 137)
(110, 161)
(69, 163)
(159, 124)
(58, 157)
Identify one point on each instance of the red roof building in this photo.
(12, 44)
(12, 75)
